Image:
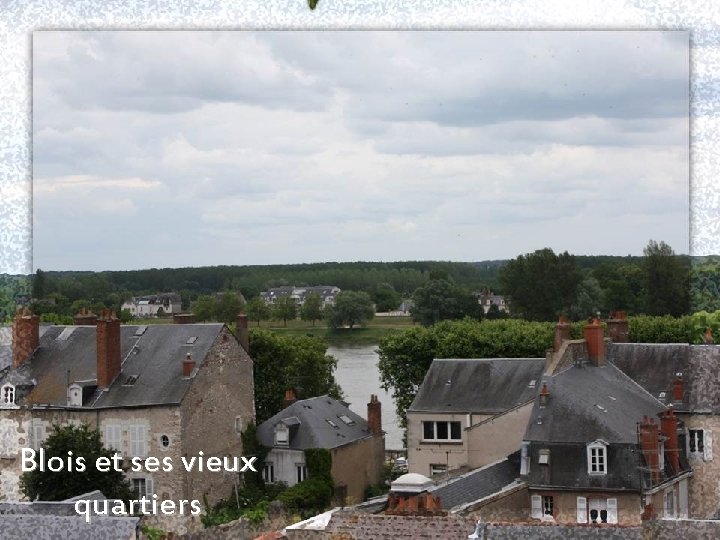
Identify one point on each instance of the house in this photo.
(470, 412)
(327, 294)
(489, 298)
(357, 446)
(158, 390)
(153, 305)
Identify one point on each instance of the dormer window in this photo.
(75, 395)
(597, 457)
(281, 435)
(7, 395)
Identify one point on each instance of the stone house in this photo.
(489, 298)
(470, 412)
(150, 305)
(357, 447)
(327, 294)
(158, 390)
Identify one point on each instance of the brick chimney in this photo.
(709, 336)
(668, 427)
(108, 348)
(678, 390)
(85, 317)
(374, 415)
(184, 318)
(595, 342)
(242, 331)
(562, 333)
(617, 326)
(25, 335)
(544, 395)
(649, 445)
(188, 365)
(289, 398)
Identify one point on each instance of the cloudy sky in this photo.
(166, 149)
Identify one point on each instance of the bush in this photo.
(665, 329)
(310, 496)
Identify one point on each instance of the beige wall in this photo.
(565, 505)
(511, 507)
(497, 437)
(357, 466)
(222, 391)
(704, 485)
(422, 454)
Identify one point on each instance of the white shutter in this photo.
(612, 512)
(37, 435)
(707, 445)
(138, 441)
(113, 437)
(581, 510)
(683, 498)
(537, 511)
(149, 487)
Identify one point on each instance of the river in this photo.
(358, 376)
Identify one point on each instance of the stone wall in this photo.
(357, 466)
(513, 506)
(675, 529)
(497, 437)
(219, 404)
(571, 351)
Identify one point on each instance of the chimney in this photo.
(562, 333)
(188, 366)
(374, 415)
(668, 426)
(544, 395)
(617, 326)
(183, 318)
(108, 348)
(678, 390)
(85, 317)
(709, 336)
(649, 445)
(25, 336)
(595, 342)
(289, 398)
(242, 331)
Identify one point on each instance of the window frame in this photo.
(148, 486)
(448, 427)
(597, 458)
(268, 466)
(301, 472)
(8, 389)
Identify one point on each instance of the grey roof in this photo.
(654, 367)
(703, 384)
(308, 420)
(68, 354)
(489, 386)
(588, 403)
(479, 483)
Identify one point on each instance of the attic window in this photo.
(597, 458)
(130, 380)
(532, 383)
(333, 424)
(544, 456)
(7, 395)
(345, 418)
(191, 340)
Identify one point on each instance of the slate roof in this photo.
(308, 420)
(654, 367)
(489, 386)
(68, 354)
(479, 483)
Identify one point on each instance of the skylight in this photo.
(130, 380)
(191, 340)
(345, 418)
(140, 330)
(333, 424)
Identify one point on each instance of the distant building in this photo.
(357, 446)
(327, 294)
(159, 390)
(489, 298)
(150, 305)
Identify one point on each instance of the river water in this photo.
(358, 376)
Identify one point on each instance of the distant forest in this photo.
(111, 288)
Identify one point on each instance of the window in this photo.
(7, 395)
(143, 487)
(113, 438)
(37, 434)
(281, 435)
(300, 471)
(138, 440)
(597, 510)
(164, 441)
(695, 440)
(544, 456)
(699, 442)
(442, 431)
(345, 418)
(597, 458)
(547, 505)
(269, 473)
(438, 468)
(669, 504)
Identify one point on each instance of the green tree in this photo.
(257, 310)
(56, 486)
(228, 307)
(39, 285)
(204, 308)
(125, 316)
(351, 308)
(285, 309)
(589, 300)
(282, 362)
(441, 299)
(666, 281)
(541, 285)
(386, 298)
(311, 309)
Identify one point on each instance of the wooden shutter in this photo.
(707, 445)
(581, 510)
(113, 437)
(149, 487)
(138, 441)
(612, 512)
(537, 510)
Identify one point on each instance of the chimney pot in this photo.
(108, 348)
(617, 326)
(544, 394)
(242, 331)
(595, 341)
(289, 398)
(188, 366)
(26, 336)
(678, 388)
(709, 336)
(374, 415)
(183, 318)
(562, 333)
